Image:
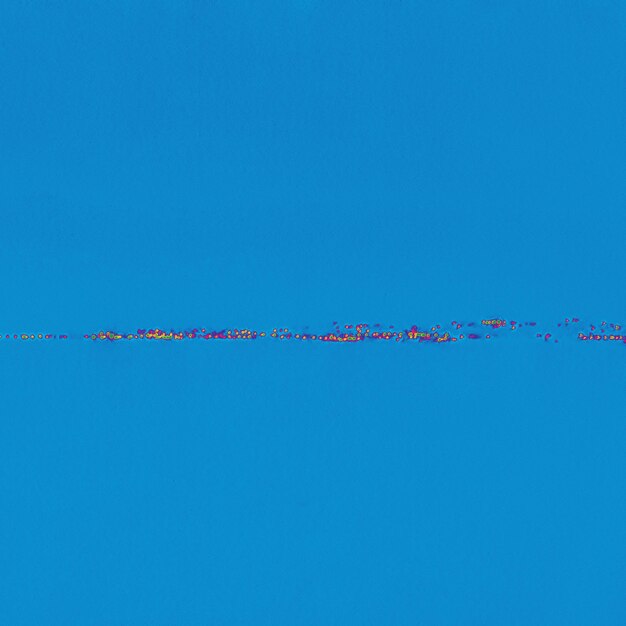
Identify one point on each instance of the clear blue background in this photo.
(262, 163)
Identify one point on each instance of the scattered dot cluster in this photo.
(33, 337)
(455, 331)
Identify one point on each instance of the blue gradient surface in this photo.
(295, 163)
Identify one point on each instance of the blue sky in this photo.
(295, 163)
